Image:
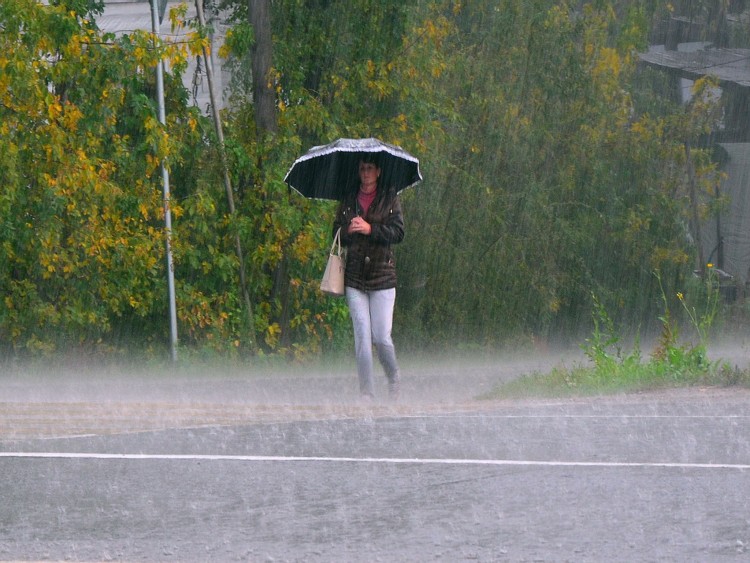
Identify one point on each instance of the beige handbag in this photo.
(333, 278)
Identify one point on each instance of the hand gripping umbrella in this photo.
(330, 171)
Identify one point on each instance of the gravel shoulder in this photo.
(84, 400)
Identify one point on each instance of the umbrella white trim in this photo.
(358, 145)
(365, 145)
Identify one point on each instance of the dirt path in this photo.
(90, 401)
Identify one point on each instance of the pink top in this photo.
(365, 200)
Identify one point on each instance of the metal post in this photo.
(165, 180)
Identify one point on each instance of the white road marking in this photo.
(582, 416)
(381, 460)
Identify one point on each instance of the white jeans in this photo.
(372, 317)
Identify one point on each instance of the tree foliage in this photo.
(554, 184)
(81, 214)
(551, 174)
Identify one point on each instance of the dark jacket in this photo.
(370, 264)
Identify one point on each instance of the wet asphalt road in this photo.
(655, 477)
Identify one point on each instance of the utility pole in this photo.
(155, 21)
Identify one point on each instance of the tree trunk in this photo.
(264, 102)
(227, 181)
(692, 186)
(262, 55)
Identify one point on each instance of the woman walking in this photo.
(371, 222)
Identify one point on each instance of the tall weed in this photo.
(674, 362)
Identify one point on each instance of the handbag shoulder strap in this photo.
(337, 242)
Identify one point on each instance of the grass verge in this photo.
(673, 364)
(591, 381)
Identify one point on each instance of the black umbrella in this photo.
(330, 171)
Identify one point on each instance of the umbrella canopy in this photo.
(331, 171)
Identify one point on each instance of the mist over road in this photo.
(290, 466)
